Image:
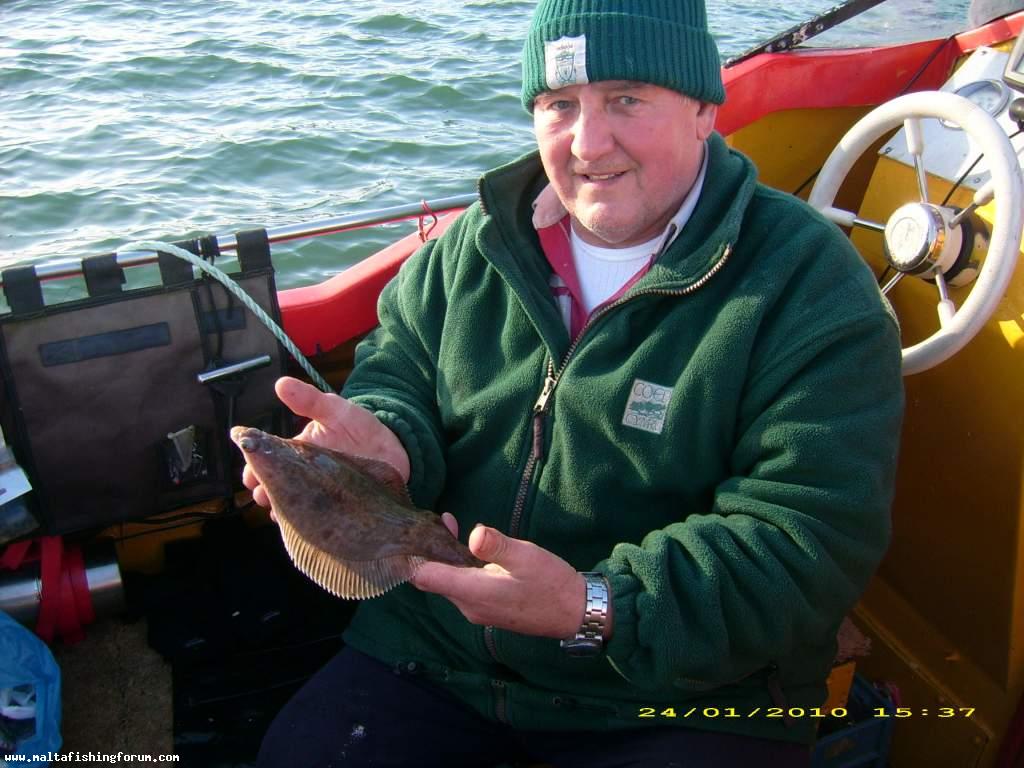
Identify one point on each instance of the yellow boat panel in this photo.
(956, 555)
(788, 145)
(946, 610)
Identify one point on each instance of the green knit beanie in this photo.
(664, 42)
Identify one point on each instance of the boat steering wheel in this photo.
(924, 239)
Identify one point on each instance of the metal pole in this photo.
(805, 30)
(62, 268)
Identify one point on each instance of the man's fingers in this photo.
(450, 523)
(261, 498)
(514, 555)
(494, 547)
(434, 577)
(250, 481)
(343, 426)
(308, 401)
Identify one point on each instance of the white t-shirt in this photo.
(603, 271)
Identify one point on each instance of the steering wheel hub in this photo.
(919, 240)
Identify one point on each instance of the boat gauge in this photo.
(990, 95)
(1013, 75)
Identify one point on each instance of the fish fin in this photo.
(383, 473)
(350, 579)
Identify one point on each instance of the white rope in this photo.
(231, 285)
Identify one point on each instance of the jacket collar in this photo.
(509, 241)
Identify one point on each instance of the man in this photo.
(668, 398)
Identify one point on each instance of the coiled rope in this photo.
(221, 277)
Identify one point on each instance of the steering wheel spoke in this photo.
(850, 219)
(893, 282)
(874, 226)
(915, 144)
(946, 308)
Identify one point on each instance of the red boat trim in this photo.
(322, 316)
(856, 77)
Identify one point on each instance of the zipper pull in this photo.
(545, 395)
(778, 697)
(538, 435)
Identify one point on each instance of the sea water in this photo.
(122, 120)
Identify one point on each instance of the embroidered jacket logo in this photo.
(646, 406)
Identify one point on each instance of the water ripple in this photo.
(123, 120)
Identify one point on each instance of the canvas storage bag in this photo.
(100, 396)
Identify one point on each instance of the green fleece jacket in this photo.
(721, 443)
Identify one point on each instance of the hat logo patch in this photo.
(647, 406)
(565, 62)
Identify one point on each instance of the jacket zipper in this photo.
(537, 452)
(778, 697)
(480, 195)
(500, 701)
(551, 379)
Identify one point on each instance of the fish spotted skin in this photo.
(347, 521)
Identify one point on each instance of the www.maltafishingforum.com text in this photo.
(90, 757)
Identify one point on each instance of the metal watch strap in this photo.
(589, 638)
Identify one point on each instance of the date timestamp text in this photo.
(800, 712)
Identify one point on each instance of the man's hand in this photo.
(523, 588)
(337, 424)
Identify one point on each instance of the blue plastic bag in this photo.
(29, 691)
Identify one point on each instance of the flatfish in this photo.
(347, 521)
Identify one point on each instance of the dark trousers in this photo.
(359, 712)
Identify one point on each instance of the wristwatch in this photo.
(589, 638)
